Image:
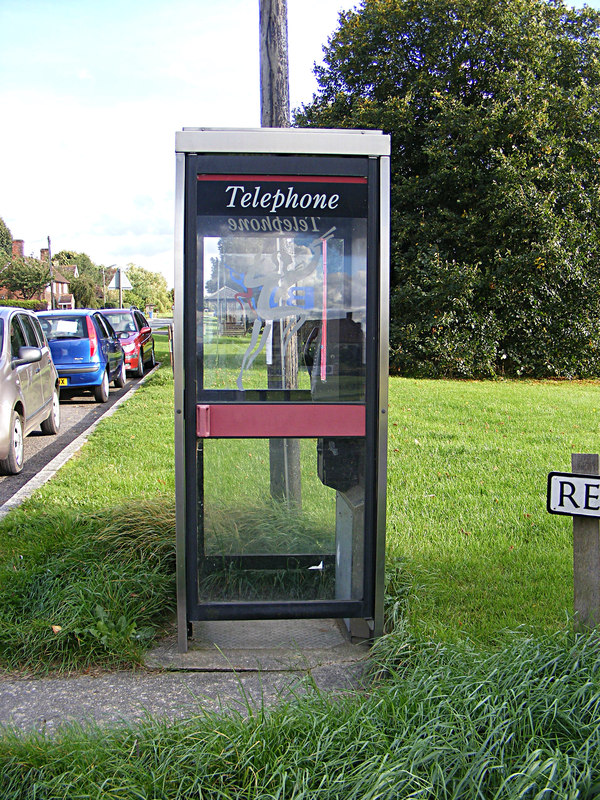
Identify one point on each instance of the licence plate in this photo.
(62, 381)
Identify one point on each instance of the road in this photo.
(77, 414)
(160, 323)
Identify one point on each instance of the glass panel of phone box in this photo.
(283, 317)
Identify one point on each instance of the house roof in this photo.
(70, 270)
(224, 293)
(58, 277)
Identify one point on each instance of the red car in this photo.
(135, 336)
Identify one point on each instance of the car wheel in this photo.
(101, 392)
(121, 378)
(152, 358)
(13, 463)
(140, 370)
(51, 425)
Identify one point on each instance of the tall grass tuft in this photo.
(145, 528)
(449, 722)
(95, 594)
(268, 527)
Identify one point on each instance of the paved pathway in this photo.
(230, 667)
(44, 704)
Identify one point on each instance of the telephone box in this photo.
(281, 364)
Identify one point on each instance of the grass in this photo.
(467, 520)
(480, 690)
(445, 721)
(270, 527)
(90, 590)
(86, 564)
(237, 477)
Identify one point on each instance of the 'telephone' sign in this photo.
(573, 495)
(282, 195)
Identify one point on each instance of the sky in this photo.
(92, 93)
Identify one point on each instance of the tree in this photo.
(5, 240)
(148, 288)
(85, 265)
(84, 292)
(25, 276)
(493, 110)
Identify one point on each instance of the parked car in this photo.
(135, 335)
(85, 349)
(29, 393)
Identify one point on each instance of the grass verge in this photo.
(471, 549)
(481, 691)
(467, 520)
(448, 721)
(96, 596)
(87, 566)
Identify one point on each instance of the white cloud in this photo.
(87, 150)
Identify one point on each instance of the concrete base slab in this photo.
(261, 645)
(229, 667)
(110, 699)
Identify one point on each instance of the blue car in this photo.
(85, 350)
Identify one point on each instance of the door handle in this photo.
(203, 421)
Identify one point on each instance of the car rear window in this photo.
(30, 333)
(64, 327)
(121, 322)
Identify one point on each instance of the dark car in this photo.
(29, 394)
(135, 335)
(85, 349)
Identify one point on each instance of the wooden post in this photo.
(284, 454)
(586, 554)
(52, 303)
(274, 76)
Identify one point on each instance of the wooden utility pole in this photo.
(274, 74)
(51, 274)
(275, 113)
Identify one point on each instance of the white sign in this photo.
(66, 326)
(120, 281)
(573, 495)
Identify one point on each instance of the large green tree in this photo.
(85, 265)
(148, 288)
(494, 111)
(84, 291)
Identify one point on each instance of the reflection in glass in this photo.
(285, 312)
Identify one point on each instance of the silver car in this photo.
(29, 394)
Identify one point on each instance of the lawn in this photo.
(86, 564)
(480, 689)
(468, 464)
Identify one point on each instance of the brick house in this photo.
(60, 281)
